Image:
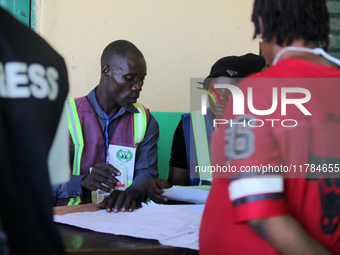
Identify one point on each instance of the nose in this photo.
(138, 86)
(224, 95)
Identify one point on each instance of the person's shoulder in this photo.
(78, 100)
(256, 80)
(184, 115)
(300, 68)
(270, 72)
(152, 123)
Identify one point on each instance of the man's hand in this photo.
(101, 173)
(118, 200)
(154, 189)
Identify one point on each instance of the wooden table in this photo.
(83, 241)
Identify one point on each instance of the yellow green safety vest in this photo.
(201, 144)
(74, 126)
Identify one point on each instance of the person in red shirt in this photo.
(256, 210)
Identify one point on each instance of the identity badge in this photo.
(123, 156)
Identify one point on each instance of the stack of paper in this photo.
(170, 225)
(193, 194)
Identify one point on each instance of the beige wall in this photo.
(180, 39)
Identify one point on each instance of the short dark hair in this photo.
(118, 48)
(287, 20)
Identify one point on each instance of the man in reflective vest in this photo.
(109, 129)
(193, 133)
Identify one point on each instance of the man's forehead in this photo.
(126, 61)
(117, 60)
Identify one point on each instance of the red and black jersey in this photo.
(285, 140)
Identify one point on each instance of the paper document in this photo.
(193, 194)
(170, 225)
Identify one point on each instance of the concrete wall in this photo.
(180, 39)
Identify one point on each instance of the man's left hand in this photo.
(118, 200)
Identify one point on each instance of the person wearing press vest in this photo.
(111, 135)
(227, 70)
(33, 139)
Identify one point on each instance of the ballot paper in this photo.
(169, 224)
(192, 194)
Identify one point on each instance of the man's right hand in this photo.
(154, 189)
(101, 173)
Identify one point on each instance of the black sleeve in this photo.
(178, 151)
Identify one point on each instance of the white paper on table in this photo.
(193, 194)
(170, 225)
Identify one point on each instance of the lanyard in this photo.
(107, 135)
(316, 51)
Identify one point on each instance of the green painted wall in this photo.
(21, 9)
(167, 122)
(33, 18)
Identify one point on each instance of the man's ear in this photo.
(261, 26)
(105, 71)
